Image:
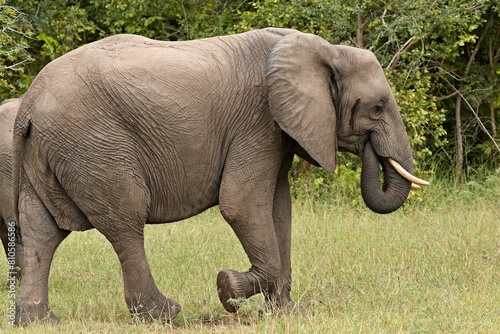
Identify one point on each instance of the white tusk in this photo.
(404, 173)
(415, 186)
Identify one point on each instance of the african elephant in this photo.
(8, 112)
(128, 131)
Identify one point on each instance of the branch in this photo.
(185, 18)
(14, 66)
(442, 98)
(239, 6)
(380, 48)
(478, 46)
(15, 31)
(409, 43)
(481, 125)
(398, 54)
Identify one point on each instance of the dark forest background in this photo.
(442, 58)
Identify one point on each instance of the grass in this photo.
(429, 268)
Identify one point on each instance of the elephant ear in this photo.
(300, 76)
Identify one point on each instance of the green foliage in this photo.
(215, 17)
(483, 186)
(489, 150)
(424, 45)
(317, 188)
(14, 56)
(48, 31)
(314, 185)
(153, 19)
(328, 19)
(423, 118)
(165, 20)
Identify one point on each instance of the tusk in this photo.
(415, 186)
(404, 173)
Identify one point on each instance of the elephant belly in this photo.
(172, 207)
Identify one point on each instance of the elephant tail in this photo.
(22, 129)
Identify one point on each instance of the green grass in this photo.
(430, 268)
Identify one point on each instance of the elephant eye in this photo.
(379, 107)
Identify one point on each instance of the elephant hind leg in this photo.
(41, 237)
(124, 229)
(144, 300)
(3, 234)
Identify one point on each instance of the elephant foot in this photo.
(232, 286)
(282, 305)
(40, 313)
(162, 311)
(278, 301)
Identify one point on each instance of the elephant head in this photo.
(331, 97)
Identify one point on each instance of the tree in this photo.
(441, 56)
(14, 55)
(432, 50)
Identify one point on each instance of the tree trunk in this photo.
(492, 60)
(359, 31)
(458, 121)
(492, 118)
(460, 146)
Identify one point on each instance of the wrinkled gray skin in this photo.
(8, 112)
(129, 131)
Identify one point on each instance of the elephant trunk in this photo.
(392, 193)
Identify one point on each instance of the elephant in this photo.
(128, 131)
(8, 112)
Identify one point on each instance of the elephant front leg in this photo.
(262, 250)
(277, 297)
(233, 285)
(247, 207)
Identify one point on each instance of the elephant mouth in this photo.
(397, 181)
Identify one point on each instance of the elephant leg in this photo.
(277, 297)
(3, 234)
(124, 229)
(142, 296)
(3, 237)
(41, 236)
(5, 242)
(13, 263)
(246, 204)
